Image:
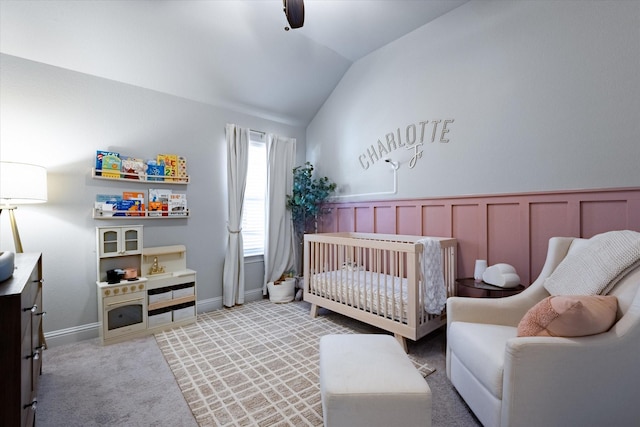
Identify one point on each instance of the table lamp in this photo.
(21, 183)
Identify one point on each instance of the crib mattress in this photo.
(379, 293)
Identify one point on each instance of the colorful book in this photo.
(182, 169)
(155, 172)
(159, 201)
(138, 208)
(108, 198)
(108, 164)
(170, 162)
(106, 204)
(178, 204)
(99, 156)
(133, 168)
(126, 208)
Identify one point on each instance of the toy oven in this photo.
(123, 314)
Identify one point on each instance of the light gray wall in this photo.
(545, 95)
(59, 118)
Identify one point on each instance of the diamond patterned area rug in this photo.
(254, 364)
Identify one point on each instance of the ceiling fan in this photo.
(294, 10)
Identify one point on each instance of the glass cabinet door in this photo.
(119, 241)
(132, 239)
(109, 242)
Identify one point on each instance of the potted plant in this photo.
(306, 201)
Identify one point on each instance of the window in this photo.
(253, 212)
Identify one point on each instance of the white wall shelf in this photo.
(140, 179)
(142, 215)
(150, 181)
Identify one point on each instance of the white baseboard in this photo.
(216, 303)
(71, 335)
(91, 330)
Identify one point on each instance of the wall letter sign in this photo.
(413, 138)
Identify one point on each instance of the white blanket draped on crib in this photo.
(435, 293)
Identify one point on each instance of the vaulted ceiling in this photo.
(230, 53)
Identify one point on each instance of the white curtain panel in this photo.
(279, 254)
(237, 163)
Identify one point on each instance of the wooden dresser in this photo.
(21, 341)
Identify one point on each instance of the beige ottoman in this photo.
(368, 380)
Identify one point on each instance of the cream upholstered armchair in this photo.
(546, 380)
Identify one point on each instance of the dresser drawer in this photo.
(37, 347)
(31, 299)
(20, 337)
(26, 383)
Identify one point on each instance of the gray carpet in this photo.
(126, 384)
(130, 384)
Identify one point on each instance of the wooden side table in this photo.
(468, 287)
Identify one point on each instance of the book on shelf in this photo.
(127, 208)
(155, 171)
(105, 209)
(108, 198)
(182, 168)
(133, 168)
(138, 207)
(178, 204)
(106, 204)
(159, 201)
(165, 167)
(170, 162)
(108, 164)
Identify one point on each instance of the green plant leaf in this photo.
(308, 195)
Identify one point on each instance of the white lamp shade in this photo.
(22, 183)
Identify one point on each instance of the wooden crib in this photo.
(376, 279)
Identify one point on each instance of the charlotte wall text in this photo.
(413, 137)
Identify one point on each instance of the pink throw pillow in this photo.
(569, 316)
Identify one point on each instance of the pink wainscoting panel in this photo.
(504, 235)
(408, 220)
(546, 220)
(467, 228)
(512, 228)
(633, 216)
(327, 222)
(599, 216)
(345, 220)
(436, 220)
(385, 220)
(364, 219)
